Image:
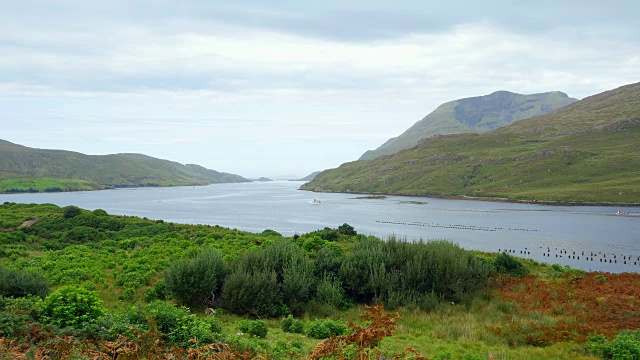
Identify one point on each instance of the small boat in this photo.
(315, 202)
(622, 213)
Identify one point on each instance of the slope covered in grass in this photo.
(27, 169)
(473, 115)
(585, 152)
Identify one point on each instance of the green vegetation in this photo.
(72, 306)
(30, 185)
(17, 283)
(24, 169)
(473, 115)
(257, 328)
(195, 280)
(118, 284)
(508, 264)
(585, 152)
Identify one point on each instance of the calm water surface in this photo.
(568, 235)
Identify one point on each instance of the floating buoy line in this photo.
(454, 226)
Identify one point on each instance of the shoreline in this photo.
(491, 199)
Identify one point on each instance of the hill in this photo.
(473, 115)
(27, 169)
(585, 152)
(308, 177)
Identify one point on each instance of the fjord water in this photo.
(567, 235)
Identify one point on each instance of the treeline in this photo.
(282, 278)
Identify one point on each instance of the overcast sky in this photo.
(284, 88)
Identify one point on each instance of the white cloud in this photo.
(212, 84)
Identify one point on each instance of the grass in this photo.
(45, 184)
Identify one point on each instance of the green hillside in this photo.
(24, 169)
(585, 152)
(473, 115)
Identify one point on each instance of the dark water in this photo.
(567, 235)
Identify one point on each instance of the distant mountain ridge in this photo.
(102, 171)
(308, 177)
(473, 115)
(584, 153)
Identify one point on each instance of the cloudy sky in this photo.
(284, 88)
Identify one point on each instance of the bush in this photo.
(292, 325)
(99, 212)
(157, 292)
(322, 329)
(284, 349)
(71, 212)
(347, 229)
(329, 291)
(72, 306)
(625, 346)
(399, 271)
(263, 279)
(257, 328)
(329, 259)
(508, 264)
(177, 325)
(17, 283)
(269, 232)
(297, 282)
(257, 293)
(194, 280)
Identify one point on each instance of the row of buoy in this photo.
(453, 226)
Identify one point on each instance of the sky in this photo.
(284, 88)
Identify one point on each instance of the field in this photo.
(118, 274)
(21, 185)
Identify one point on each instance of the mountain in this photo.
(22, 168)
(308, 177)
(473, 115)
(586, 152)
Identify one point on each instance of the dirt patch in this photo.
(28, 223)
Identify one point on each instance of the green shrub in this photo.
(18, 283)
(292, 325)
(254, 293)
(99, 212)
(72, 306)
(71, 211)
(157, 292)
(177, 325)
(257, 328)
(269, 232)
(625, 346)
(194, 280)
(272, 281)
(557, 267)
(401, 271)
(322, 329)
(284, 349)
(508, 264)
(329, 259)
(297, 282)
(329, 291)
(346, 229)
